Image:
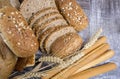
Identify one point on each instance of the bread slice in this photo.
(40, 14)
(66, 45)
(56, 34)
(25, 62)
(43, 36)
(73, 13)
(17, 34)
(7, 60)
(29, 7)
(45, 18)
(40, 28)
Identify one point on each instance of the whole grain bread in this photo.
(44, 35)
(56, 34)
(7, 60)
(29, 7)
(73, 13)
(66, 45)
(16, 33)
(41, 13)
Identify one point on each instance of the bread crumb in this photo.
(12, 13)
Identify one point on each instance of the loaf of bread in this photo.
(73, 13)
(16, 33)
(66, 45)
(30, 7)
(25, 62)
(7, 60)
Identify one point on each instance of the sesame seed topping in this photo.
(70, 3)
(12, 13)
(9, 32)
(32, 45)
(18, 43)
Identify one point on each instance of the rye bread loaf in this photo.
(41, 13)
(73, 13)
(16, 33)
(56, 34)
(66, 45)
(29, 7)
(7, 60)
(25, 62)
(44, 35)
(39, 29)
(44, 19)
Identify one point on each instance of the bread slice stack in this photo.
(50, 27)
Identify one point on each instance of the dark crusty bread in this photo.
(38, 29)
(16, 33)
(29, 7)
(56, 34)
(44, 35)
(25, 62)
(7, 60)
(66, 45)
(40, 14)
(73, 13)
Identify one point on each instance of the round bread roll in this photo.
(73, 13)
(7, 60)
(16, 33)
(66, 45)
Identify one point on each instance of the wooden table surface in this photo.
(105, 14)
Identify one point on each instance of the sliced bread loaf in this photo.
(73, 13)
(43, 36)
(40, 14)
(29, 7)
(40, 28)
(16, 33)
(66, 45)
(56, 34)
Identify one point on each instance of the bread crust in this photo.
(56, 34)
(66, 45)
(7, 60)
(16, 33)
(73, 13)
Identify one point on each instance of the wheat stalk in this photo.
(51, 59)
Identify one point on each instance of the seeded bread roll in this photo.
(66, 45)
(73, 13)
(7, 60)
(16, 33)
(29, 7)
(25, 62)
(56, 34)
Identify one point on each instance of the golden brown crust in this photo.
(73, 13)
(7, 60)
(17, 34)
(66, 45)
(25, 62)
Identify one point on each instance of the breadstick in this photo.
(94, 71)
(107, 55)
(55, 70)
(82, 62)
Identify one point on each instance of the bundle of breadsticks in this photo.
(51, 26)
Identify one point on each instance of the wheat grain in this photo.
(51, 59)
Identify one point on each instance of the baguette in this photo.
(16, 33)
(94, 71)
(82, 62)
(73, 13)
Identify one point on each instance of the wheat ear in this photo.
(93, 39)
(51, 59)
